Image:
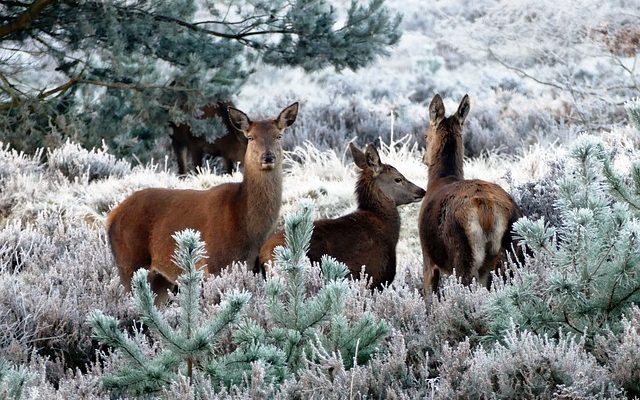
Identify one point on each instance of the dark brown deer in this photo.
(367, 236)
(464, 224)
(230, 147)
(233, 218)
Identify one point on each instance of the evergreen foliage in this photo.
(584, 274)
(120, 70)
(189, 346)
(13, 380)
(309, 324)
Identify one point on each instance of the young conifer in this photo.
(189, 346)
(13, 381)
(306, 323)
(584, 275)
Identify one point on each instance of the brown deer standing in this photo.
(367, 236)
(464, 224)
(234, 218)
(230, 147)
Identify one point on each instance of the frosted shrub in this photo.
(458, 314)
(621, 352)
(53, 274)
(633, 111)
(13, 162)
(75, 162)
(538, 198)
(526, 366)
(182, 349)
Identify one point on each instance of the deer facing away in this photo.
(464, 224)
(234, 218)
(367, 236)
(230, 147)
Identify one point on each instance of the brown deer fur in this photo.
(230, 147)
(367, 236)
(233, 218)
(464, 224)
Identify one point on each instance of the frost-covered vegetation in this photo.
(564, 324)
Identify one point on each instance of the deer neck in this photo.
(371, 198)
(261, 192)
(447, 163)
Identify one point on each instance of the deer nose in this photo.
(421, 193)
(268, 158)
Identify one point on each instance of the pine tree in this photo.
(308, 324)
(118, 70)
(189, 346)
(13, 381)
(585, 274)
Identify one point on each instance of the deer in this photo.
(234, 218)
(230, 147)
(367, 236)
(464, 224)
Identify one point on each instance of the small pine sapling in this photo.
(13, 381)
(308, 323)
(585, 274)
(189, 346)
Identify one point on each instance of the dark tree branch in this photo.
(24, 20)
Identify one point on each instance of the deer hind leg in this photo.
(129, 254)
(196, 157)
(228, 165)
(430, 276)
(181, 156)
(160, 286)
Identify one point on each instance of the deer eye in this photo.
(398, 180)
(279, 137)
(250, 138)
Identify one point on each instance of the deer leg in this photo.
(159, 285)
(430, 276)
(181, 157)
(228, 165)
(196, 158)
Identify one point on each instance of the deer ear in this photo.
(288, 116)
(238, 119)
(436, 109)
(463, 109)
(358, 156)
(373, 158)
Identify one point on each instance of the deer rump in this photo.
(467, 226)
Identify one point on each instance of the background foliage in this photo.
(118, 71)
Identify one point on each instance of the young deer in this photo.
(367, 236)
(464, 224)
(234, 218)
(230, 147)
